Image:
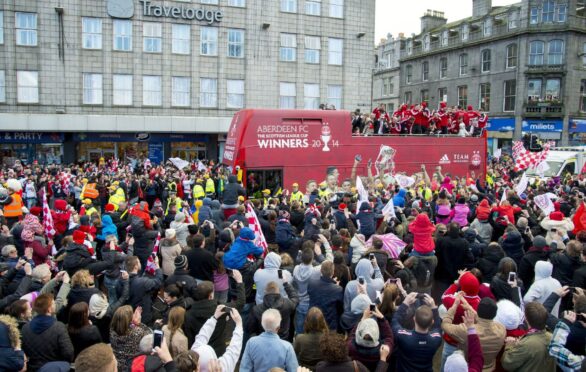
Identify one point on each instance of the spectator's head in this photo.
(536, 315)
(21, 310)
(193, 229)
(82, 279)
(487, 308)
(172, 293)
(377, 243)
(456, 362)
(333, 347)
(198, 241)
(390, 298)
(506, 266)
(181, 262)
(337, 241)
(579, 303)
(132, 264)
(508, 314)
(423, 318)
(204, 291)
(9, 251)
(96, 358)
(367, 333)
(574, 248)
(286, 260)
(307, 256)
(176, 318)
(78, 317)
(271, 320)
(187, 361)
(42, 273)
(121, 320)
(315, 322)
(44, 304)
(272, 288)
(327, 269)
(145, 345)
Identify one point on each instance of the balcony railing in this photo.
(543, 108)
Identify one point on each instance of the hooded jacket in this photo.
(358, 247)
(108, 228)
(543, 286)
(205, 212)
(243, 246)
(10, 359)
(527, 264)
(269, 274)
(483, 229)
(363, 269)
(181, 228)
(483, 210)
(453, 254)
(513, 243)
(77, 257)
(170, 248)
(301, 275)
(399, 198)
(284, 235)
(422, 230)
(285, 305)
(232, 191)
(461, 214)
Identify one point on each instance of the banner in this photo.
(150, 266)
(404, 181)
(179, 163)
(541, 168)
(504, 197)
(522, 185)
(389, 209)
(362, 194)
(544, 203)
(254, 225)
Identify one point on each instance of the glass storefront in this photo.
(93, 151)
(28, 147)
(189, 150)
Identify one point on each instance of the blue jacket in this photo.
(257, 358)
(108, 228)
(399, 199)
(284, 235)
(325, 294)
(235, 258)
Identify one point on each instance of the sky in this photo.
(394, 18)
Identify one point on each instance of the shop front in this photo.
(577, 132)
(28, 147)
(500, 134)
(544, 129)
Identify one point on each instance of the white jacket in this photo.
(543, 286)
(206, 353)
(564, 226)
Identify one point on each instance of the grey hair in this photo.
(146, 344)
(41, 272)
(271, 320)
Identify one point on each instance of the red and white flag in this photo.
(254, 225)
(525, 159)
(150, 266)
(47, 217)
(65, 179)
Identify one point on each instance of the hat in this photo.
(36, 211)
(110, 207)
(241, 198)
(60, 204)
(470, 108)
(556, 216)
(266, 191)
(443, 104)
(474, 198)
(181, 262)
(87, 201)
(360, 303)
(539, 242)
(78, 236)
(342, 206)
(98, 305)
(456, 362)
(295, 184)
(170, 233)
(469, 284)
(487, 308)
(508, 314)
(180, 217)
(367, 333)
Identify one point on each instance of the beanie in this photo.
(78, 236)
(181, 262)
(456, 362)
(110, 207)
(539, 242)
(98, 305)
(367, 333)
(556, 216)
(508, 314)
(469, 284)
(60, 204)
(487, 308)
(170, 233)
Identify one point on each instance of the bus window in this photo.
(261, 179)
(568, 168)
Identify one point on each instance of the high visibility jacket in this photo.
(323, 193)
(172, 187)
(177, 204)
(297, 196)
(117, 198)
(14, 209)
(91, 210)
(198, 192)
(89, 191)
(210, 187)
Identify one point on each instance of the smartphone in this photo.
(371, 256)
(372, 307)
(512, 276)
(280, 273)
(358, 158)
(157, 338)
(226, 309)
(392, 280)
(554, 230)
(361, 280)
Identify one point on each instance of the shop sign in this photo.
(125, 9)
(542, 126)
(577, 126)
(30, 137)
(141, 137)
(501, 124)
(156, 153)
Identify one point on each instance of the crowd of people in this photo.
(419, 119)
(108, 267)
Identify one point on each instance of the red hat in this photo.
(470, 108)
(469, 284)
(342, 206)
(78, 236)
(443, 104)
(36, 211)
(556, 216)
(110, 207)
(424, 104)
(60, 204)
(556, 206)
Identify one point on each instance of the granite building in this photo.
(385, 77)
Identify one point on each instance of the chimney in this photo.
(432, 19)
(481, 8)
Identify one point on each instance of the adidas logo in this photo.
(445, 159)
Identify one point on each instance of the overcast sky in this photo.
(393, 17)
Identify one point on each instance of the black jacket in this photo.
(142, 288)
(232, 191)
(564, 267)
(580, 276)
(77, 257)
(527, 264)
(182, 277)
(201, 264)
(513, 244)
(453, 254)
(286, 307)
(488, 262)
(502, 290)
(325, 294)
(84, 338)
(46, 344)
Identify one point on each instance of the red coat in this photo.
(448, 299)
(508, 211)
(40, 252)
(61, 221)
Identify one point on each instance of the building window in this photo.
(445, 37)
(552, 89)
(534, 90)
(584, 55)
(1, 27)
(513, 20)
(312, 48)
(313, 7)
(442, 94)
(27, 86)
(409, 47)
(425, 71)
(547, 11)
(463, 96)
(464, 32)
(288, 52)
(407, 98)
(511, 56)
(536, 52)
(335, 96)
(555, 52)
(534, 15)
(92, 89)
(562, 13)
(487, 27)
(122, 35)
(337, 8)
(311, 96)
(484, 101)
(26, 29)
(151, 91)
(181, 38)
(443, 68)
(236, 43)
(583, 96)
(152, 34)
(424, 95)
(289, 6)
(2, 86)
(509, 96)
(485, 60)
(180, 91)
(208, 92)
(391, 86)
(463, 64)
(91, 33)
(235, 92)
(122, 90)
(335, 51)
(212, 2)
(237, 3)
(408, 74)
(209, 41)
(287, 95)
(426, 42)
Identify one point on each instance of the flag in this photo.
(404, 181)
(542, 167)
(544, 203)
(524, 158)
(504, 197)
(389, 209)
(114, 165)
(497, 153)
(522, 185)
(47, 217)
(254, 225)
(150, 266)
(65, 181)
(179, 163)
(201, 166)
(362, 193)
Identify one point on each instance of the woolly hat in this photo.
(539, 242)
(180, 217)
(456, 362)
(443, 104)
(360, 303)
(36, 211)
(170, 233)
(487, 308)
(508, 314)
(367, 328)
(98, 305)
(556, 216)
(181, 262)
(78, 236)
(342, 206)
(110, 207)
(469, 284)
(60, 204)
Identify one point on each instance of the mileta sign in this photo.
(199, 14)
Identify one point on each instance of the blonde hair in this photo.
(121, 320)
(82, 278)
(176, 320)
(13, 331)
